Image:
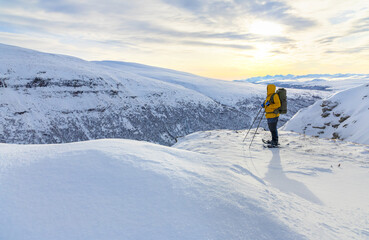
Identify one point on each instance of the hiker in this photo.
(272, 104)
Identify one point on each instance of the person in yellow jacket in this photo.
(271, 107)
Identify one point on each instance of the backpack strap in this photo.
(271, 100)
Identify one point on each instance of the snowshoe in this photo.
(271, 146)
(266, 141)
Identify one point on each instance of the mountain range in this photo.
(325, 82)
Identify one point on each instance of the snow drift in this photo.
(208, 187)
(343, 116)
(121, 189)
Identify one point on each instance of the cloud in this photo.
(328, 39)
(151, 28)
(354, 27)
(360, 25)
(279, 11)
(160, 29)
(271, 10)
(190, 5)
(138, 17)
(350, 50)
(219, 45)
(61, 6)
(278, 52)
(21, 22)
(342, 17)
(143, 27)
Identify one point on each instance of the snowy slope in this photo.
(48, 98)
(342, 116)
(328, 82)
(218, 90)
(208, 187)
(317, 187)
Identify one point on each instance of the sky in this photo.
(224, 39)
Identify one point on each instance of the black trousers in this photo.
(272, 124)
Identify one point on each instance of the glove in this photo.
(268, 103)
(263, 105)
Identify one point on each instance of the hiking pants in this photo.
(272, 124)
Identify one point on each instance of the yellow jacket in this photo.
(269, 110)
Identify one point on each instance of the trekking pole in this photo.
(257, 115)
(262, 116)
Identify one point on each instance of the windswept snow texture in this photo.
(210, 186)
(319, 188)
(122, 189)
(327, 82)
(343, 116)
(48, 98)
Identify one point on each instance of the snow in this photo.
(19, 65)
(120, 189)
(317, 187)
(344, 116)
(49, 98)
(208, 186)
(141, 80)
(221, 91)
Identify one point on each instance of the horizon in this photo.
(229, 40)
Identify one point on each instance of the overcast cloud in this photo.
(195, 35)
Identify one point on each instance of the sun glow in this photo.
(266, 28)
(262, 50)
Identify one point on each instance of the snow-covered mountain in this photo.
(327, 82)
(344, 115)
(208, 186)
(48, 98)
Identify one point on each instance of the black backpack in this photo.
(282, 94)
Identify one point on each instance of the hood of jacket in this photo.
(270, 89)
